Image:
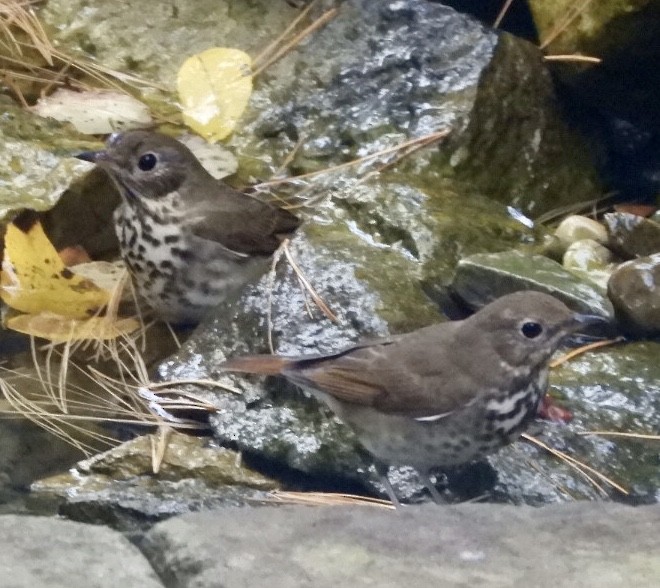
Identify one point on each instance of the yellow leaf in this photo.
(61, 329)
(214, 88)
(34, 278)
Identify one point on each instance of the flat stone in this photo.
(578, 544)
(40, 551)
(483, 277)
(119, 487)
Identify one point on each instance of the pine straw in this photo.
(265, 59)
(68, 410)
(23, 38)
(502, 13)
(589, 473)
(325, 499)
(574, 12)
(414, 144)
(592, 208)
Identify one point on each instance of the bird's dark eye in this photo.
(147, 161)
(531, 330)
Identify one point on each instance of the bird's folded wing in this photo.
(371, 376)
(243, 224)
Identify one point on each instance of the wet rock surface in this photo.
(279, 422)
(377, 74)
(34, 172)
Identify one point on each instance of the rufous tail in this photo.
(267, 365)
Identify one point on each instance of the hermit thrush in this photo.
(190, 241)
(442, 395)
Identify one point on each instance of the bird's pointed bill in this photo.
(91, 156)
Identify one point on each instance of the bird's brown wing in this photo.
(242, 223)
(408, 376)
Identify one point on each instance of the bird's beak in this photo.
(586, 320)
(581, 322)
(93, 156)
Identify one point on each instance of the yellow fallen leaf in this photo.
(214, 88)
(34, 278)
(61, 329)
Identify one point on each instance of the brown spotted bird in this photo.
(190, 242)
(443, 395)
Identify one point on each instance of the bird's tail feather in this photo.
(267, 365)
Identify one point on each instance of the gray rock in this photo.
(34, 173)
(119, 487)
(277, 421)
(131, 506)
(481, 278)
(634, 289)
(491, 157)
(28, 452)
(631, 235)
(39, 551)
(581, 545)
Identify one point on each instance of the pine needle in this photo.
(326, 499)
(317, 24)
(502, 13)
(571, 15)
(270, 49)
(425, 140)
(325, 309)
(578, 466)
(573, 58)
(580, 350)
(620, 434)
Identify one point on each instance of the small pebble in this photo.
(586, 254)
(576, 228)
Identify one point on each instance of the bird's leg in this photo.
(382, 469)
(430, 486)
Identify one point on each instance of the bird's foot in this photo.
(430, 486)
